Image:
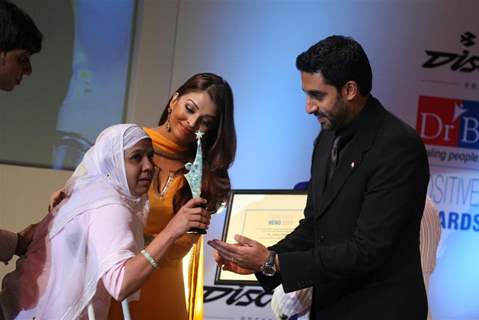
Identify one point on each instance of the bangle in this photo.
(150, 259)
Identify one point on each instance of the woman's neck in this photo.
(168, 164)
(164, 145)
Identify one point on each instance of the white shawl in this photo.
(76, 268)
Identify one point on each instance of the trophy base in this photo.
(196, 231)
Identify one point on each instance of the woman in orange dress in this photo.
(204, 102)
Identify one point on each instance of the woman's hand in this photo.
(191, 215)
(55, 199)
(138, 268)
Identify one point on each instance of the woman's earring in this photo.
(168, 126)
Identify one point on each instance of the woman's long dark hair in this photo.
(219, 143)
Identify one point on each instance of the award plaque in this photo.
(266, 216)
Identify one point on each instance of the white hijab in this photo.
(100, 180)
(102, 168)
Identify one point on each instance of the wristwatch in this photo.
(268, 268)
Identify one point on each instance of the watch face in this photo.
(269, 271)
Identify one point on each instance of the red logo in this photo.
(448, 122)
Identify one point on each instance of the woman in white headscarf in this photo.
(90, 247)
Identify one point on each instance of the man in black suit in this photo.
(358, 245)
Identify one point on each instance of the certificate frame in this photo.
(275, 214)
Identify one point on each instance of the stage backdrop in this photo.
(425, 58)
(78, 86)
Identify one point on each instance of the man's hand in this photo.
(25, 237)
(244, 257)
(230, 266)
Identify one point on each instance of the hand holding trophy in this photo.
(194, 176)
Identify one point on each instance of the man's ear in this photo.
(350, 90)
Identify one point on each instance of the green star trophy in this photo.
(194, 175)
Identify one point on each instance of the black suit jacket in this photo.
(358, 245)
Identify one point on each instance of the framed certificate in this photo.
(266, 216)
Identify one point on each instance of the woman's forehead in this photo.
(143, 144)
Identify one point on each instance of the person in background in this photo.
(429, 237)
(19, 40)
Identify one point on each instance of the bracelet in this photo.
(150, 259)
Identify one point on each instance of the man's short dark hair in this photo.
(339, 59)
(17, 29)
